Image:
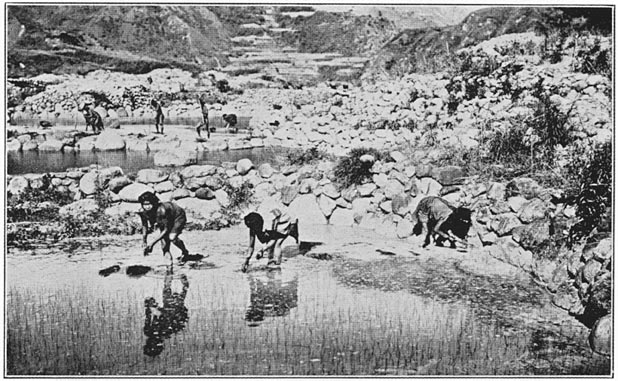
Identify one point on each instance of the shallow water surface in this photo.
(310, 317)
(129, 161)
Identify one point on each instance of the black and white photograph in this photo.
(294, 190)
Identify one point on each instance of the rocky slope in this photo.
(60, 39)
(431, 49)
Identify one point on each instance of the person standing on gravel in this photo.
(156, 106)
(204, 122)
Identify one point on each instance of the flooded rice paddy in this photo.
(352, 314)
(129, 161)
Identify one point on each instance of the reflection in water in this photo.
(164, 321)
(129, 161)
(271, 297)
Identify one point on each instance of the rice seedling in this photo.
(307, 324)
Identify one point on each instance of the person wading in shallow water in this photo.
(282, 227)
(93, 119)
(163, 321)
(204, 122)
(168, 217)
(159, 118)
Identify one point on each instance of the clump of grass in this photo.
(308, 156)
(352, 170)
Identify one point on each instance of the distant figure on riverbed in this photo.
(93, 119)
(204, 122)
(168, 217)
(156, 106)
(282, 227)
(163, 321)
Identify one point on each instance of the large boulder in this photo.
(427, 186)
(109, 141)
(51, 145)
(205, 194)
(507, 250)
(89, 183)
(401, 204)
(163, 187)
(342, 217)
(600, 296)
(175, 157)
(106, 174)
(199, 209)
(305, 207)
(523, 186)
(38, 180)
(288, 194)
(117, 183)
(222, 197)
(123, 209)
(366, 190)
(496, 191)
(532, 235)
(600, 337)
(404, 228)
(198, 171)
(360, 206)
(331, 191)
(448, 175)
(533, 210)
(504, 224)
(350, 193)
(392, 188)
(243, 166)
(131, 192)
(13, 145)
(266, 170)
(18, 185)
(147, 176)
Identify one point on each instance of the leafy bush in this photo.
(351, 170)
(305, 157)
(593, 197)
(594, 60)
(36, 205)
(531, 142)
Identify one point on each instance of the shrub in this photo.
(309, 156)
(351, 170)
(593, 197)
(594, 60)
(36, 205)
